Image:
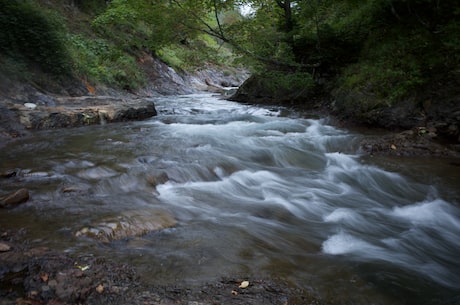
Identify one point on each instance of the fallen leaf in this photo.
(83, 268)
(393, 146)
(244, 284)
(100, 288)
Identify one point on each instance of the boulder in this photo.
(87, 110)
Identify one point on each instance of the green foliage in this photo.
(91, 6)
(15, 69)
(392, 67)
(102, 62)
(136, 24)
(33, 36)
(386, 79)
(121, 24)
(450, 40)
(195, 54)
(388, 48)
(397, 58)
(172, 56)
(279, 83)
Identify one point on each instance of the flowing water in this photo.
(256, 192)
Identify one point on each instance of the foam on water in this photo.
(343, 243)
(311, 170)
(414, 237)
(429, 213)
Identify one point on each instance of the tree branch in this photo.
(219, 34)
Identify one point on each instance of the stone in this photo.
(4, 247)
(14, 198)
(8, 174)
(30, 105)
(128, 224)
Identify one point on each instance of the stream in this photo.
(256, 192)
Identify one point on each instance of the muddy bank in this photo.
(40, 275)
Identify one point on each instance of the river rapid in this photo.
(256, 192)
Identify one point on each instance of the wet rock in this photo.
(128, 224)
(14, 198)
(53, 278)
(87, 110)
(155, 180)
(30, 105)
(415, 142)
(80, 188)
(8, 174)
(4, 247)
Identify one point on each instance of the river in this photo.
(256, 192)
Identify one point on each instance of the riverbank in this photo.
(427, 124)
(25, 107)
(41, 276)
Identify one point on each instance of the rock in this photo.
(14, 198)
(4, 247)
(8, 174)
(128, 224)
(87, 110)
(406, 143)
(30, 105)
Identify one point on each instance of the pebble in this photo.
(4, 247)
(30, 105)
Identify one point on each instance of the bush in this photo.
(103, 62)
(34, 36)
(393, 63)
(279, 83)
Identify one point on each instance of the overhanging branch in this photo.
(219, 34)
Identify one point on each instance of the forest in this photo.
(388, 50)
(329, 176)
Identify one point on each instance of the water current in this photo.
(256, 192)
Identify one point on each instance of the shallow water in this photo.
(257, 192)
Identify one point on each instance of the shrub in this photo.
(35, 36)
(280, 83)
(102, 62)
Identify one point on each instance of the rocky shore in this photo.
(25, 107)
(41, 276)
(427, 124)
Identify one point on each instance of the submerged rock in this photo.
(128, 224)
(14, 198)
